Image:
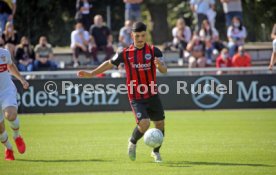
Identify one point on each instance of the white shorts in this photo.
(274, 45)
(7, 98)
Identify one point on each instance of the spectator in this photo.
(181, 36)
(79, 43)
(241, 59)
(44, 55)
(125, 39)
(211, 38)
(231, 9)
(201, 8)
(83, 13)
(10, 37)
(223, 60)
(133, 10)
(236, 35)
(101, 39)
(24, 55)
(7, 12)
(273, 55)
(2, 43)
(197, 49)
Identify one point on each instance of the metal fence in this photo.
(171, 72)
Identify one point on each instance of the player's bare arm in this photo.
(161, 66)
(14, 71)
(272, 61)
(100, 69)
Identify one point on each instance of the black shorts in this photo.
(150, 108)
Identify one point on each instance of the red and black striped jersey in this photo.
(140, 70)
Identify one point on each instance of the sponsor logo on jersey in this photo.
(141, 66)
(3, 67)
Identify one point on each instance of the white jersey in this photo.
(5, 77)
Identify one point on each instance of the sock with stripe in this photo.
(15, 127)
(4, 139)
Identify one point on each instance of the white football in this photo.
(153, 137)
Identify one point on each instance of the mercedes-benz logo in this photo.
(207, 98)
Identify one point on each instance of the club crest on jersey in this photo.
(3, 58)
(139, 115)
(148, 56)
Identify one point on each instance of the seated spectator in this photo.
(223, 60)
(79, 43)
(125, 39)
(44, 55)
(197, 49)
(10, 38)
(241, 59)
(101, 39)
(211, 38)
(24, 55)
(181, 36)
(236, 35)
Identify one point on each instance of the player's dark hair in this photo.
(139, 27)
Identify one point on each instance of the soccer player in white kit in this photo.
(8, 103)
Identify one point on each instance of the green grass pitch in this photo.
(224, 142)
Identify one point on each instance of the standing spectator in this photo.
(210, 36)
(10, 37)
(236, 35)
(83, 13)
(44, 55)
(197, 49)
(133, 10)
(241, 59)
(24, 55)
(79, 43)
(231, 9)
(273, 55)
(181, 36)
(101, 39)
(223, 60)
(125, 39)
(201, 8)
(7, 12)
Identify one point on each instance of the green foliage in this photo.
(55, 18)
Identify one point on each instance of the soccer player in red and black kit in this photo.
(141, 61)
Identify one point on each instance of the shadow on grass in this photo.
(189, 163)
(63, 161)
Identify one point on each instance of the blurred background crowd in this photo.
(203, 33)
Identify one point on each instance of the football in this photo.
(153, 137)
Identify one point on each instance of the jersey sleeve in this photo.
(157, 52)
(117, 59)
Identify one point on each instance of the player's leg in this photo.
(273, 55)
(143, 123)
(4, 139)
(10, 113)
(157, 115)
